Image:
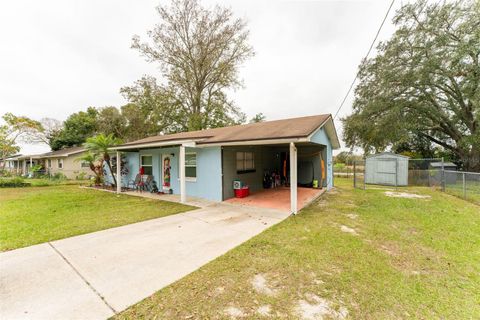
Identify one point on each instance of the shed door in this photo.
(385, 171)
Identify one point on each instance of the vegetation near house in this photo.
(94, 164)
(259, 117)
(352, 254)
(98, 147)
(423, 87)
(76, 129)
(16, 129)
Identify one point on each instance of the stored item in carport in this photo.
(243, 192)
(237, 184)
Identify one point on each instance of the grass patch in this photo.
(407, 258)
(20, 182)
(34, 215)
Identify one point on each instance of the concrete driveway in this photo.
(96, 275)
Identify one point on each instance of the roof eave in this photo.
(331, 132)
(189, 143)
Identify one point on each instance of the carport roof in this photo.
(283, 129)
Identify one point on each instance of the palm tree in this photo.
(100, 146)
(91, 159)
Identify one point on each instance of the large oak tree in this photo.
(424, 82)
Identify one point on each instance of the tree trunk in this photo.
(472, 161)
(111, 172)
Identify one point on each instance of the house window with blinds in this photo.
(147, 164)
(191, 166)
(245, 162)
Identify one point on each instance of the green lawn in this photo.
(38, 214)
(408, 258)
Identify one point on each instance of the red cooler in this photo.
(242, 193)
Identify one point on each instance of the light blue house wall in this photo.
(208, 183)
(321, 137)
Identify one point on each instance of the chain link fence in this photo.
(462, 184)
(434, 173)
(359, 174)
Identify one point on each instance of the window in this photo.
(49, 163)
(85, 164)
(191, 165)
(147, 164)
(245, 162)
(60, 163)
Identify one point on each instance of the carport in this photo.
(280, 176)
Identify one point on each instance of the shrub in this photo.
(81, 176)
(58, 176)
(13, 183)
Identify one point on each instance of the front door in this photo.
(166, 172)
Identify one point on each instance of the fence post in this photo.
(364, 175)
(464, 187)
(443, 176)
(354, 175)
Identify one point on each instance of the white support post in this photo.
(183, 194)
(293, 178)
(18, 167)
(24, 166)
(119, 173)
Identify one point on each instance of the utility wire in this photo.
(368, 53)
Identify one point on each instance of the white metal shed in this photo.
(386, 168)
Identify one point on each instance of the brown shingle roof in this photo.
(62, 152)
(277, 129)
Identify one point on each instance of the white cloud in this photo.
(59, 57)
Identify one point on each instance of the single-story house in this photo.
(206, 163)
(64, 161)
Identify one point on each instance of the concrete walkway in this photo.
(96, 275)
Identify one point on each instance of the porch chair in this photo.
(149, 183)
(136, 184)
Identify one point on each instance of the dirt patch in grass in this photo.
(260, 285)
(405, 195)
(348, 230)
(411, 260)
(234, 312)
(352, 216)
(264, 311)
(390, 248)
(315, 307)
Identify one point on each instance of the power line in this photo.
(368, 53)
